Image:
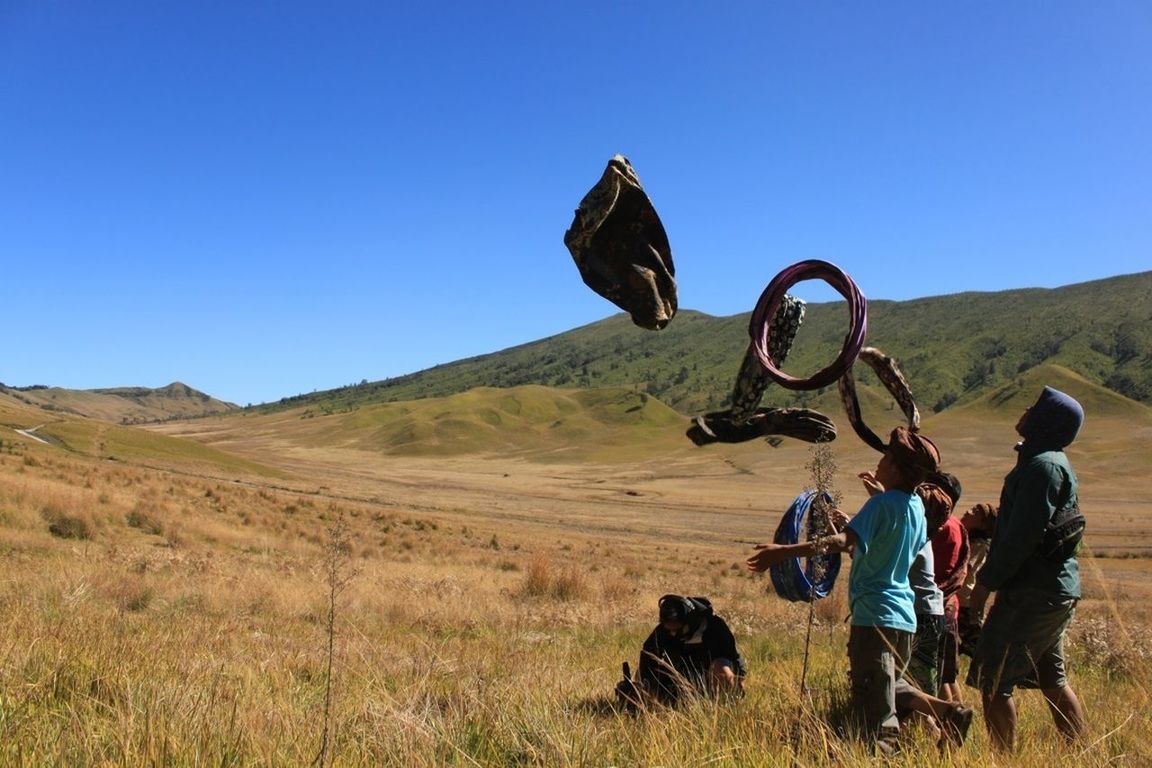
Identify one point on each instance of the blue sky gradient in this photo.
(262, 199)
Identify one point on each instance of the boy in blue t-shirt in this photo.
(885, 535)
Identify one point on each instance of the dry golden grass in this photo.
(494, 602)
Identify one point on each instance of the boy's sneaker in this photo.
(956, 726)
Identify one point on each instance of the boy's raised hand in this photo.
(871, 484)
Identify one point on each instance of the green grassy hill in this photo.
(620, 425)
(1019, 393)
(536, 421)
(954, 349)
(1113, 441)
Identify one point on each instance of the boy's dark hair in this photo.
(949, 482)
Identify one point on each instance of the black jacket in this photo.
(666, 662)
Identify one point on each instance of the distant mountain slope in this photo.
(125, 405)
(22, 423)
(953, 348)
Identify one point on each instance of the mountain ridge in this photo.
(951, 347)
(122, 405)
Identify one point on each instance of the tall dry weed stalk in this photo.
(822, 469)
(338, 573)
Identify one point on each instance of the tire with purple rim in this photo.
(760, 325)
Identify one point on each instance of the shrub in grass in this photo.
(130, 595)
(65, 526)
(141, 518)
(540, 580)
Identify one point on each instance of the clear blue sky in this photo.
(266, 198)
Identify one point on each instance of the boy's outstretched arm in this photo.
(767, 555)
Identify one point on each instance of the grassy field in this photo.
(174, 608)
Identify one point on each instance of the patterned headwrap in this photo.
(980, 520)
(937, 504)
(916, 455)
(689, 611)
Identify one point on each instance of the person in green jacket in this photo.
(1032, 568)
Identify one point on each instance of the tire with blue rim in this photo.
(815, 578)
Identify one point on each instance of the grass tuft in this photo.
(543, 580)
(63, 525)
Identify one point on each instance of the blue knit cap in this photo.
(1054, 421)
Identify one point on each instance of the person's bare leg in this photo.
(950, 720)
(1000, 717)
(1067, 712)
(915, 700)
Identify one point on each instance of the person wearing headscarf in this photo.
(979, 523)
(1033, 570)
(950, 550)
(885, 536)
(691, 648)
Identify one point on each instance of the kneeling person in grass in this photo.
(691, 650)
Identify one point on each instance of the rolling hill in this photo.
(607, 425)
(23, 424)
(531, 421)
(124, 405)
